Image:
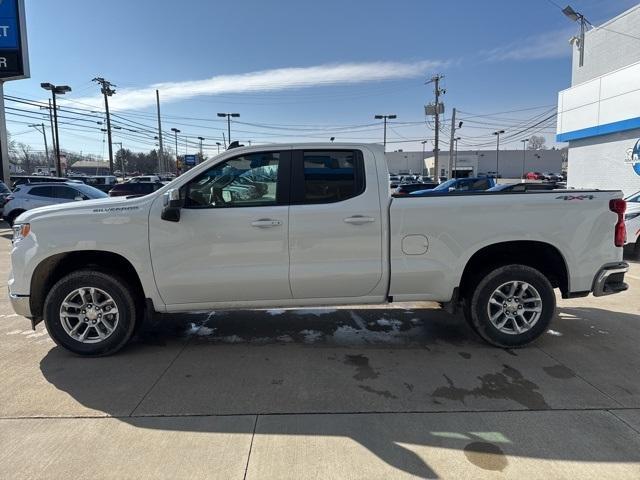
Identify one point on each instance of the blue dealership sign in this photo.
(635, 157)
(190, 160)
(13, 41)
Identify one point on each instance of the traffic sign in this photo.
(14, 58)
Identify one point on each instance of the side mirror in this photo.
(172, 205)
(78, 199)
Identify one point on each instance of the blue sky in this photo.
(300, 70)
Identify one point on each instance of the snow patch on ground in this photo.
(205, 331)
(315, 311)
(554, 333)
(311, 336)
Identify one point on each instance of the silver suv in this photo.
(26, 197)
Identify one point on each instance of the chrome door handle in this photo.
(359, 220)
(266, 223)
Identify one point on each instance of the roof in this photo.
(89, 164)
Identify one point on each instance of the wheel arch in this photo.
(536, 254)
(53, 268)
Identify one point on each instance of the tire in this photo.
(11, 219)
(636, 250)
(528, 311)
(94, 294)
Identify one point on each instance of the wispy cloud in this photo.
(546, 45)
(266, 81)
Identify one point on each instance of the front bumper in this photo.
(610, 279)
(21, 305)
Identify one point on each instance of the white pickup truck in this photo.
(309, 225)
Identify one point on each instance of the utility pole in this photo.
(37, 126)
(453, 133)
(53, 137)
(455, 164)
(385, 117)
(438, 109)
(161, 152)
(107, 91)
(176, 131)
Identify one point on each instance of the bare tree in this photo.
(537, 142)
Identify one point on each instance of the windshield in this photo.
(446, 185)
(90, 191)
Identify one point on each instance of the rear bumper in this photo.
(610, 279)
(21, 305)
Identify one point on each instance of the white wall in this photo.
(599, 162)
(613, 97)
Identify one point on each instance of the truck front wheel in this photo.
(90, 313)
(511, 306)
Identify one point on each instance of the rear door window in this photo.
(327, 176)
(66, 193)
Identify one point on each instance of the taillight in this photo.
(620, 233)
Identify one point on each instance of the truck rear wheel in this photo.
(511, 306)
(90, 313)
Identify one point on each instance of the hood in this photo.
(90, 207)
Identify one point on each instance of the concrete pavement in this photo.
(403, 392)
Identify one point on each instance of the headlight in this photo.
(632, 215)
(20, 231)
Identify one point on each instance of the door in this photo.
(231, 242)
(335, 230)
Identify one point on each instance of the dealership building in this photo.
(599, 115)
(470, 163)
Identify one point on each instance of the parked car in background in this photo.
(474, 184)
(29, 179)
(29, 196)
(551, 177)
(407, 188)
(524, 187)
(4, 193)
(101, 182)
(144, 179)
(533, 176)
(134, 189)
(632, 222)
(394, 181)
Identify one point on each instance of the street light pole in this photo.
(176, 131)
(497, 134)
(201, 157)
(218, 145)
(385, 117)
(56, 90)
(524, 154)
(228, 116)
